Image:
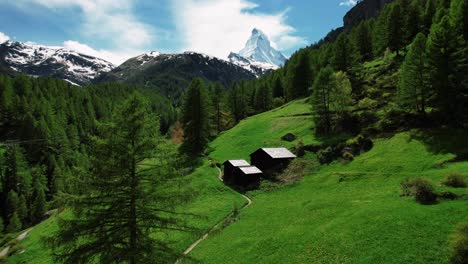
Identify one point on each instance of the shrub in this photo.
(348, 156)
(326, 156)
(459, 244)
(422, 190)
(456, 180)
(300, 149)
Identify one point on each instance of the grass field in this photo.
(213, 202)
(342, 213)
(338, 213)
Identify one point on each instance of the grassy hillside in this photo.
(340, 213)
(212, 203)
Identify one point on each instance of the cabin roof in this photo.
(250, 170)
(237, 163)
(278, 153)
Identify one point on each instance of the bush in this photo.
(455, 180)
(348, 156)
(459, 244)
(300, 149)
(326, 156)
(421, 189)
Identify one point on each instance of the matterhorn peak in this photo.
(258, 54)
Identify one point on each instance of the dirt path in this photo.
(205, 236)
(5, 251)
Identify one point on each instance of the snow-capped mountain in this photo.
(38, 60)
(258, 56)
(172, 73)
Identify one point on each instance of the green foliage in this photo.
(331, 99)
(414, 89)
(422, 189)
(459, 16)
(363, 40)
(394, 29)
(456, 180)
(126, 201)
(14, 224)
(342, 57)
(196, 117)
(448, 62)
(459, 244)
(299, 77)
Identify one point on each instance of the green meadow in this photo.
(342, 212)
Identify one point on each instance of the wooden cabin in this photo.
(271, 160)
(229, 168)
(247, 177)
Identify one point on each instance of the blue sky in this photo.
(119, 29)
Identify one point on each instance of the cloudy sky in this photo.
(119, 29)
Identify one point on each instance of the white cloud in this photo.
(109, 20)
(3, 37)
(218, 27)
(348, 3)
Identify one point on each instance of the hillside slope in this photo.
(340, 213)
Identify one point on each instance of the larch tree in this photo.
(414, 87)
(447, 57)
(129, 196)
(196, 117)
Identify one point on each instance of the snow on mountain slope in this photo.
(258, 56)
(38, 60)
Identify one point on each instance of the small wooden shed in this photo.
(271, 159)
(247, 177)
(229, 168)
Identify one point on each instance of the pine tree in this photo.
(38, 206)
(299, 77)
(263, 98)
(363, 41)
(14, 224)
(130, 195)
(414, 88)
(278, 90)
(342, 58)
(195, 118)
(459, 17)
(217, 98)
(395, 29)
(428, 15)
(323, 86)
(447, 56)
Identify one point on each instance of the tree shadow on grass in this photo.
(444, 140)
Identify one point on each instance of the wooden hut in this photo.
(229, 168)
(247, 177)
(271, 159)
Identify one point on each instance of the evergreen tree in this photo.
(130, 195)
(428, 15)
(414, 88)
(217, 98)
(395, 29)
(2, 227)
(14, 224)
(195, 118)
(263, 98)
(299, 77)
(38, 206)
(323, 86)
(278, 90)
(342, 60)
(447, 57)
(459, 17)
(363, 41)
